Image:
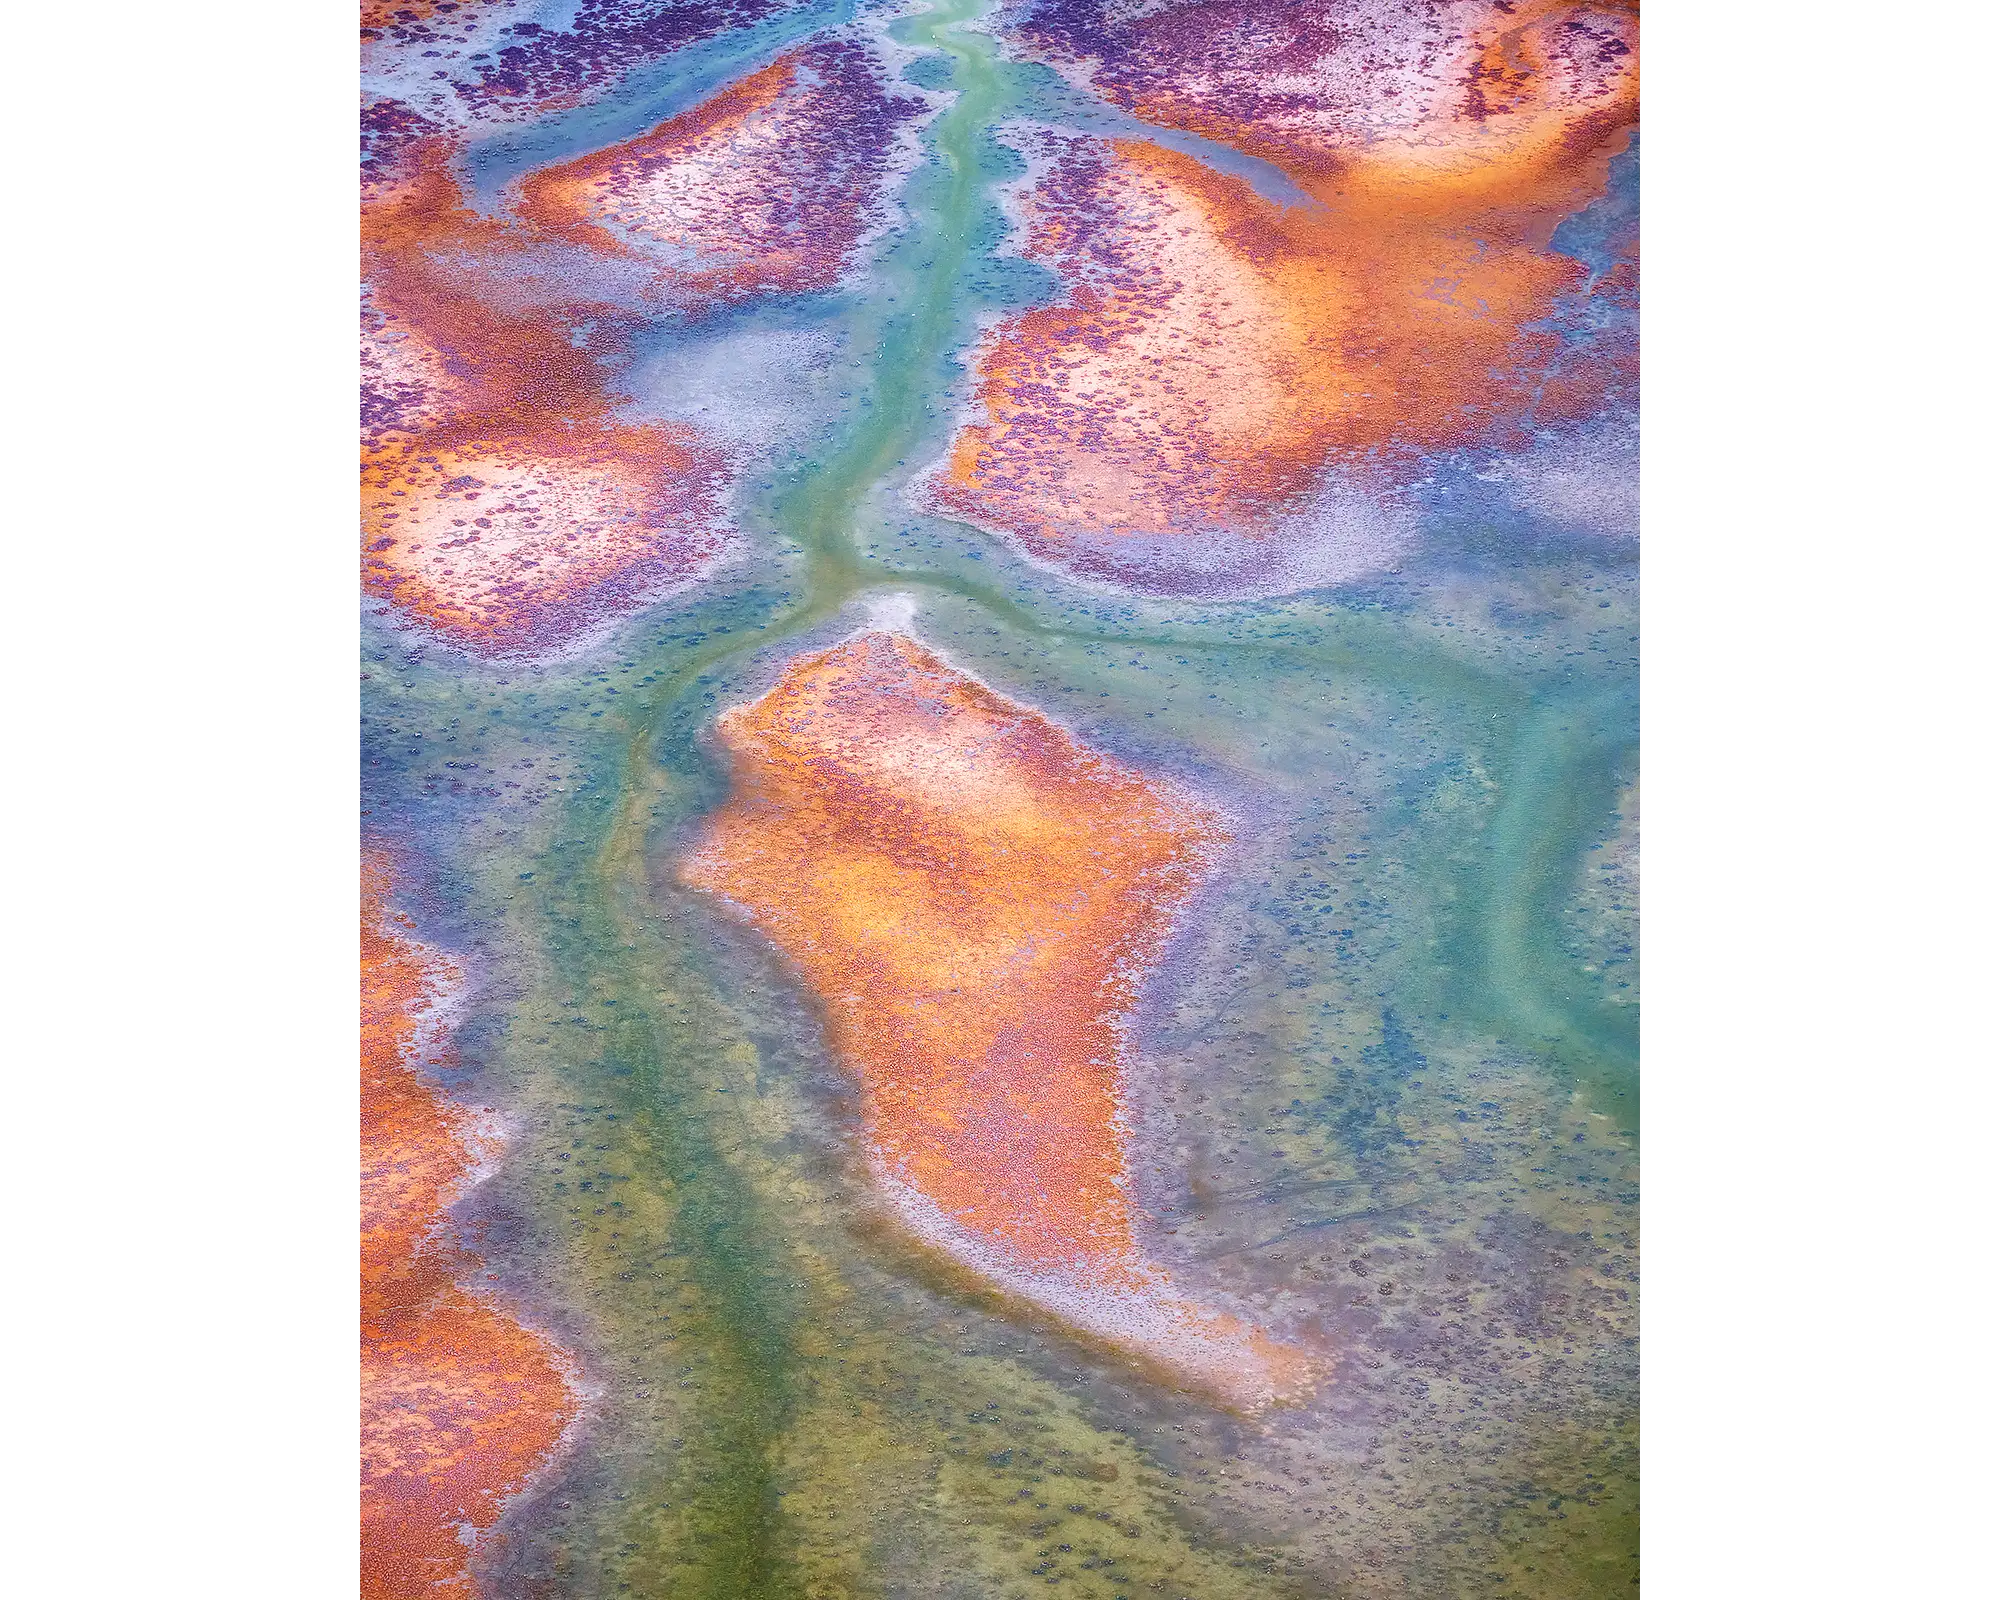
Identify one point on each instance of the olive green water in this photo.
(1388, 1094)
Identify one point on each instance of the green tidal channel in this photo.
(1408, 1050)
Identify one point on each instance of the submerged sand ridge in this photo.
(975, 896)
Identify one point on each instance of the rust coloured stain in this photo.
(975, 897)
(459, 1403)
(1231, 391)
(504, 505)
(768, 187)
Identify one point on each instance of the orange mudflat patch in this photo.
(508, 504)
(975, 897)
(504, 505)
(1232, 389)
(767, 187)
(518, 543)
(459, 1403)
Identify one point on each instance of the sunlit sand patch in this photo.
(976, 897)
(460, 1404)
(770, 186)
(1161, 427)
(504, 506)
(1228, 385)
(407, 388)
(517, 545)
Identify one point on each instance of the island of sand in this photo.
(975, 896)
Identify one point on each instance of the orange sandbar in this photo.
(975, 896)
(766, 187)
(504, 504)
(1218, 359)
(459, 1403)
